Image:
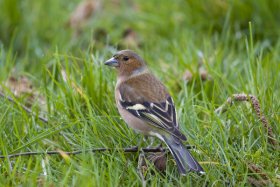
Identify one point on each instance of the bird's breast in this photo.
(133, 122)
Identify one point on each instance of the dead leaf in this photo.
(19, 86)
(65, 156)
(257, 182)
(188, 76)
(82, 14)
(158, 159)
(129, 3)
(130, 38)
(23, 87)
(100, 35)
(203, 73)
(255, 169)
(42, 181)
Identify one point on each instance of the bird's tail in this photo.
(184, 160)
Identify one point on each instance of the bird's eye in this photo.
(125, 58)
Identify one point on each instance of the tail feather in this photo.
(184, 160)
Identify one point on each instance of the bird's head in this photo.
(126, 62)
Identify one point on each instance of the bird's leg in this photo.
(159, 145)
(152, 139)
(145, 138)
(140, 142)
(141, 167)
(151, 142)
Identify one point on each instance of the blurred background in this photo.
(174, 37)
(33, 30)
(51, 60)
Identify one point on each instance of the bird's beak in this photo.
(112, 62)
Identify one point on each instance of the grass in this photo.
(240, 58)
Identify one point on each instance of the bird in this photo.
(146, 106)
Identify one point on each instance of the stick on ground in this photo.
(126, 150)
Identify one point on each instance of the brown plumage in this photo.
(145, 88)
(146, 106)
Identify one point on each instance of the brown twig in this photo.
(132, 149)
(126, 150)
(28, 110)
(256, 106)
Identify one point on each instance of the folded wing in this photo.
(161, 115)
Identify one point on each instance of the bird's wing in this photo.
(160, 114)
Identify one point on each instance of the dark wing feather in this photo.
(161, 115)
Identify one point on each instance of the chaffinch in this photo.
(146, 106)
